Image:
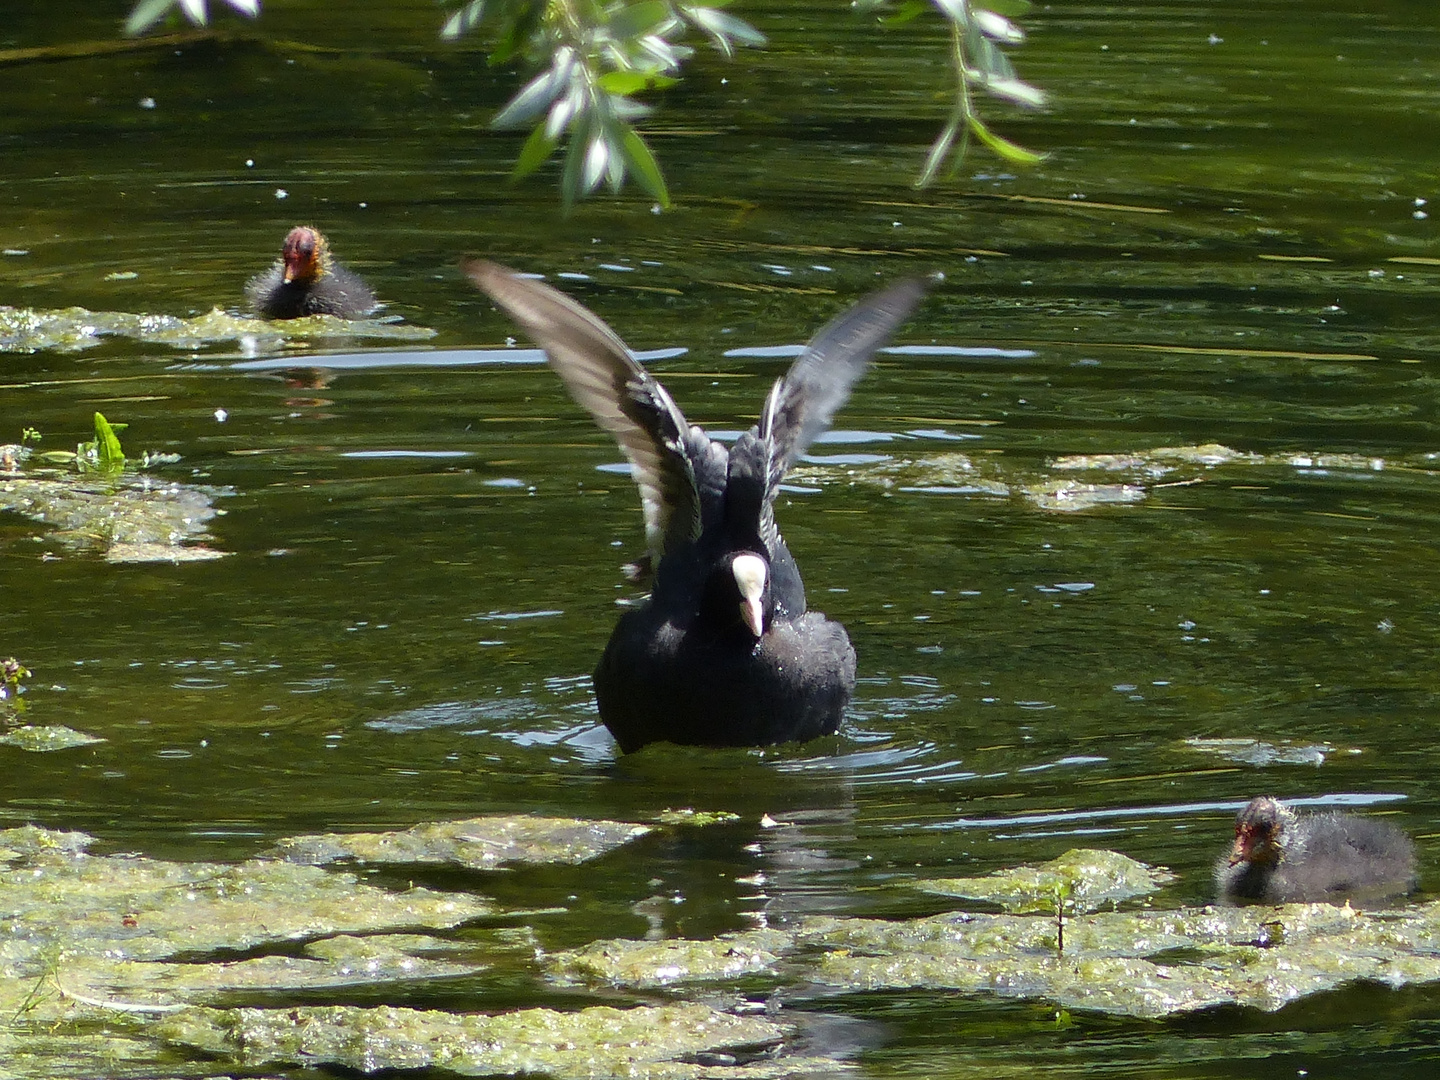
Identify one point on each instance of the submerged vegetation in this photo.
(592, 59)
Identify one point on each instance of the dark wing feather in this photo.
(802, 404)
(623, 397)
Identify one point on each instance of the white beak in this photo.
(750, 572)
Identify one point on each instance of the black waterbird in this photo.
(724, 652)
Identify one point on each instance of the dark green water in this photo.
(1215, 252)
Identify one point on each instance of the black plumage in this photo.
(725, 652)
(1282, 857)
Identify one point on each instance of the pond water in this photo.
(1136, 522)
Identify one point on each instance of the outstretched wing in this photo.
(802, 404)
(623, 397)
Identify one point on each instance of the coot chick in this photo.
(1282, 857)
(724, 652)
(307, 281)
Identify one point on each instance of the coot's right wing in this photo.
(624, 398)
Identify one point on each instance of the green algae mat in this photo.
(130, 966)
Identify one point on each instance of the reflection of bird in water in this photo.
(308, 281)
(724, 653)
(316, 378)
(308, 378)
(1280, 857)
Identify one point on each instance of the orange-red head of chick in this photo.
(305, 256)
(305, 280)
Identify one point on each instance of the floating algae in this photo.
(94, 948)
(940, 474)
(695, 818)
(661, 963)
(330, 963)
(42, 738)
(641, 1042)
(121, 965)
(1072, 496)
(130, 517)
(55, 896)
(1083, 879)
(1144, 964)
(478, 843)
(1165, 460)
(1148, 964)
(1055, 487)
(75, 329)
(1257, 752)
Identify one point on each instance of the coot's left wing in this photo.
(802, 404)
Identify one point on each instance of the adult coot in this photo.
(1282, 857)
(724, 652)
(307, 281)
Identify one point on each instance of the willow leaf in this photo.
(536, 151)
(644, 167)
(625, 83)
(1012, 152)
(146, 14)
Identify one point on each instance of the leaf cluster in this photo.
(978, 30)
(594, 58)
(147, 13)
(103, 453)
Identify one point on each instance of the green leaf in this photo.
(107, 444)
(1021, 93)
(635, 20)
(997, 27)
(905, 13)
(536, 151)
(625, 83)
(146, 14)
(571, 186)
(598, 155)
(724, 28)
(665, 55)
(987, 57)
(1012, 152)
(562, 113)
(1008, 7)
(464, 20)
(644, 167)
(628, 109)
(941, 149)
(533, 98)
(957, 11)
(514, 33)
